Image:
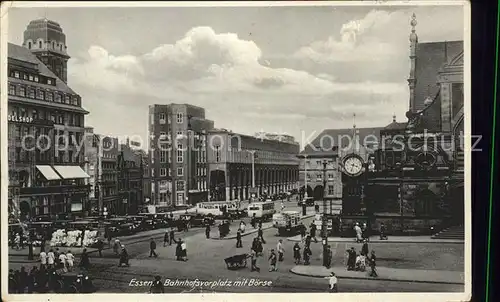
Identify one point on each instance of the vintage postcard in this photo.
(201, 150)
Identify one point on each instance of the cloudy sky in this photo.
(276, 69)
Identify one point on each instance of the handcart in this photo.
(236, 262)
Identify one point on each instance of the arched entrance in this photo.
(319, 192)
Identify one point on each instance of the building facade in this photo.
(420, 173)
(45, 127)
(130, 175)
(236, 161)
(177, 149)
(101, 164)
(326, 156)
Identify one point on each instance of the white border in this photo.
(465, 296)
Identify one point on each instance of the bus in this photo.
(214, 208)
(262, 210)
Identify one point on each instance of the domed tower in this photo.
(45, 38)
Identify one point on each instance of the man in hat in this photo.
(238, 239)
(272, 261)
(152, 248)
(351, 259)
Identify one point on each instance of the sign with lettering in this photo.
(19, 119)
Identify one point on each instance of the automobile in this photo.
(77, 281)
(138, 221)
(194, 220)
(61, 224)
(309, 201)
(119, 226)
(238, 213)
(83, 224)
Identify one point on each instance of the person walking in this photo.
(329, 256)
(171, 236)
(116, 246)
(207, 231)
(253, 256)
(100, 246)
(70, 260)
(124, 257)
(296, 253)
(373, 264)
(242, 226)
(365, 232)
(351, 259)
(364, 248)
(359, 235)
(302, 229)
(43, 259)
(272, 261)
(84, 260)
(238, 239)
(332, 283)
(152, 248)
(165, 239)
(307, 255)
(253, 221)
(312, 231)
(281, 250)
(308, 240)
(17, 241)
(62, 261)
(260, 235)
(51, 259)
(383, 235)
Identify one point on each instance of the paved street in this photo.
(206, 262)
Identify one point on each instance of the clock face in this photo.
(353, 165)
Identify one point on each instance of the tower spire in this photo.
(394, 117)
(413, 50)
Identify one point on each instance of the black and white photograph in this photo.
(199, 148)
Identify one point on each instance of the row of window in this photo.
(320, 176)
(43, 95)
(57, 117)
(165, 118)
(32, 77)
(54, 45)
(25, 156)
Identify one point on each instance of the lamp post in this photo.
(305, 176)
(324, 223)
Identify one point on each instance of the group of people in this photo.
(56, 259)
(363, 232)
(359, 262)
(39, 279)
(275, 255)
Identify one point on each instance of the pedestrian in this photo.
(238, 239)
(282, 206)
(307, 255)
(183, 251)
(32, 280)
(329, 256)
(12, 282)
(123, 257)
(116, 246)
(207, 231)
(260, 235)
(364, 248)
(56, 256)
(109, 236)
(51, 258)
(280, 250)
(351, 259)
(100, 246)
(70, 260)
(365, 232)
(17, 241)
(332, 282)
(253, 221)
(242, 226)
(254, 256)
(302, 229)
(383, 235)
(359, 235)
(165, 239)
(152, 248)
(272, 261)
(157, 287)
(313, 232)
(296, 253)
(84, 260)
(171, 235)
(178, 250)
(62, 261)
(308, 240)
(43, 258)
(373, 264)
(260, 225)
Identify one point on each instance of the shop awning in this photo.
(48, 172)
(71, 172)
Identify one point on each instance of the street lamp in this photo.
(253, 170)
(324, 223)
(305, 176)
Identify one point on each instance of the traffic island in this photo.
(392, 239)
(384, 274)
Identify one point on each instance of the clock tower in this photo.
(45, 39)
